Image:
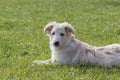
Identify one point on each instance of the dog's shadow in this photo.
(79, 69)
(94, 69)
(84, 66)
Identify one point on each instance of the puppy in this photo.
(68, 50)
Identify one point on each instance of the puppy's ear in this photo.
(49, 27)
(69, 28)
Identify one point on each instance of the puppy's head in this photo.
(60, 34)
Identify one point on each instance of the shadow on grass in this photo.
(85, 66)
(113, 3)
(108, 2)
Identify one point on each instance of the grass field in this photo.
(22, 40)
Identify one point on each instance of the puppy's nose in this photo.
(56, 44)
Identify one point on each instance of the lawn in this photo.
(22, 40)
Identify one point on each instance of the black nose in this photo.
(56, 44)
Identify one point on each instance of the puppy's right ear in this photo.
(49, 27)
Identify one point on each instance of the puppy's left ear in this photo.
(69, 28)
(49, 27)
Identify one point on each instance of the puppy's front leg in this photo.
(39, 62)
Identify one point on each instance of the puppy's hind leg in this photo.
(39, 62)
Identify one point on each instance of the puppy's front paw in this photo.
(38, 62)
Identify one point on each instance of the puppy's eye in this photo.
(53, 33)
(62, 34)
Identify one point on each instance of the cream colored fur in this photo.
(73, 51)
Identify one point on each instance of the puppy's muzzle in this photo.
(56, 44)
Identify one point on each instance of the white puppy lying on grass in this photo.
(68, 50)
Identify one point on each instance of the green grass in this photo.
(22, 40)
